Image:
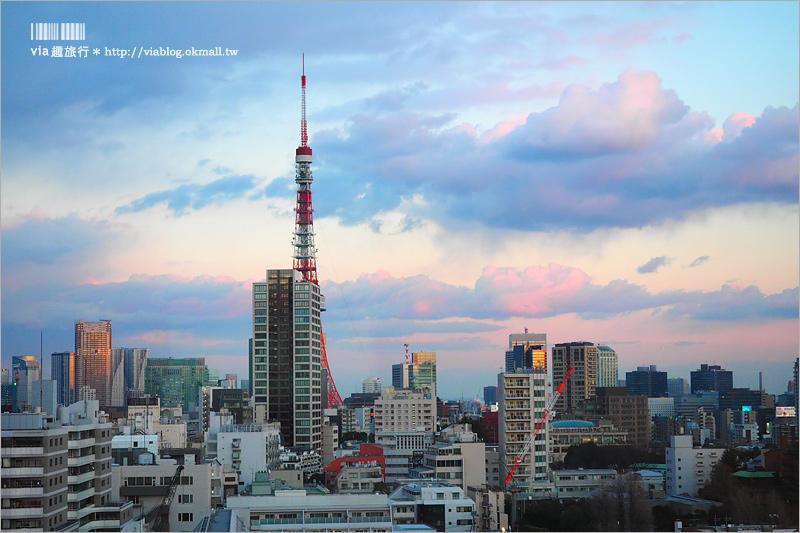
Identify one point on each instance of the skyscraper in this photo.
(646, 381)
(26, 369)
(176, 381)
(117, 376)
(287, 373)
(583, 382)
(135, 363)
(607, 369)
(62, 371)
(677, 386)
(423, 372)
(93, 358)
(712, 377)
(401, 375)
(371, 385)
(526, 351)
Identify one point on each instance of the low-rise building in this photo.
(295, 510)
(490, 508)
(403, 451)
(566, 433)
(574, 484)
(458, 458)
(245, 448)
(440, 505)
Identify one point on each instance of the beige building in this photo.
(458, 458)
(359, 478)
(399, 410)
(522, 397)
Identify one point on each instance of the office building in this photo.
(522, 397)
(135, 364)
(628, 413)
(25, 370)
(371, 385)
(490, 395)
(711, 378)
(176, 381)
(117, 376)
(663, 407)
(646, 381)
(93, 359)
(220, 399)
(287, 377)
(401, 375)
(423, 372)
(743, 399)
(62, 371)
(689, 468)
(677, 386)
(581, 385)
(7, 392)
(526, 350)
(399, 410)
(607, 367)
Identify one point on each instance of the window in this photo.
(186, 517)
(186, 498)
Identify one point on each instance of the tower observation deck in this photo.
(305, 258)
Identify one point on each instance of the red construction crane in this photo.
(305, 253)
(539, 425)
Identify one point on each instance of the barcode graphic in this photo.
(54, 31)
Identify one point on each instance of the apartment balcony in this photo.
(77, 480)
(23, 451)
(23, 492)
(23, 512)
(100, 525)
(81, 443)
(80, 461)
(81, 513)
(80, 496)
(23, 471)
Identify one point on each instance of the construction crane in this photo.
(159, 515)
(539, 425)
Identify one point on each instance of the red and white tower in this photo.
(305, 253)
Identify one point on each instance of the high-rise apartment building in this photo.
(287, 378)
(522, 397)
(371, 385)
(646, 381)
(62, 371)
(711, 378)
(25, 370)
(526, 350)
(176, 381)
(607, 367)
(118, 376)
(582, 356)
(93, 358)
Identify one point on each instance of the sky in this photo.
(624, 173)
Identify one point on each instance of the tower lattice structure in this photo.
(305, 259)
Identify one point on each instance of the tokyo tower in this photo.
(305, 259)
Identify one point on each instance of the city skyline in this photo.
(618, 173)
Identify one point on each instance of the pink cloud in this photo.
(735, 123)
(681, 37)
(503, 128)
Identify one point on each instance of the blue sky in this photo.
(619, 172)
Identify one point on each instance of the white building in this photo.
(371, 385)
(330, 436)
(458, 458)
(664, 406)
(405, 410)
(400, 448)
(294, 510)
(246, 448)
(688, 468)
(490, 507)
(308, 461)
(522, 396)
(574, 484)
(137, 442)
(199, 489)
(607, 370)
(440, 505)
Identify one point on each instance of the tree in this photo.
(360, 436)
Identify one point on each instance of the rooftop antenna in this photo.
(406, 345)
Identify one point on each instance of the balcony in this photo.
(81, 443)
(23, 451)
(23, 492)
(80, 496)
(77, 480)
(24, 512)
(80, 461)
(24, 471)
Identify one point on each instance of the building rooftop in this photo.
(300, 502)
(572, 424)
(754, 475)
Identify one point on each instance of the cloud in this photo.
(699, 261)
(193, 196)
(541, 292)
(654, 264)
